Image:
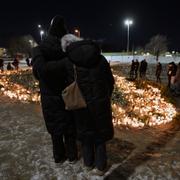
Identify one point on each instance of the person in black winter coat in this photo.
(1, 65)
(132, 73)
(48, 67)
(143, 69)
(15, 63)
(158, 72)
(136, 67)
(95, 80)
(171, 72)
(9, 67)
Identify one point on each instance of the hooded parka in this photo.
(96, 82)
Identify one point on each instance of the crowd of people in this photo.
(14, 65)
(10, 66)
(140, 68)
(173, 73)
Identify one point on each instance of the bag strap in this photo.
(75, 72)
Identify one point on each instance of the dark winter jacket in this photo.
(51, 51)
(158, 69)
(143, 66)
(1, 62)
(48, 68)
(133, 66)
(136, 65)
(172, 68)
(96, 82)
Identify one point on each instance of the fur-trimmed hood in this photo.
(84, 53)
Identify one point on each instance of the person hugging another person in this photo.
(48, 68)
(95, 80)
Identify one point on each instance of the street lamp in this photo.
(77, 32)
(41, 34)
(128, 22)
(41, 31)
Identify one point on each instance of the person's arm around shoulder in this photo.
(41, 67)
(108, 74)
(36, 61)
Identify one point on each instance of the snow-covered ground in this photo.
(25, 146)
(116, 59)
(26, 150)
(150, 59)
(22, 63)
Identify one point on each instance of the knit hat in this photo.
(57, 27)
(67, 39)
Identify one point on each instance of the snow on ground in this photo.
(150, 59)
(26, 150)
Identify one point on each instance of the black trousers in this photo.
(94, 153)
(64, 146)
(169, 81)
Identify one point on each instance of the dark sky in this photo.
(97, 19)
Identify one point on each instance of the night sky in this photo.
(97, 19)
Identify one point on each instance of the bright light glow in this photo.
(128, 22)
(16, 91)
(41, 32)
(145, 107)
(39, 26)
(77, 32)
(168, 55)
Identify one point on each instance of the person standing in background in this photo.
(1, 65)
(132, 69)
(158, 72)
(15, 63)
(136, 67)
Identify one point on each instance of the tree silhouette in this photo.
(22, 44)
(157, 45)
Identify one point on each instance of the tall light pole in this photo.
(41, 34)
(39, 26)
(41, 31)
(128, 22)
